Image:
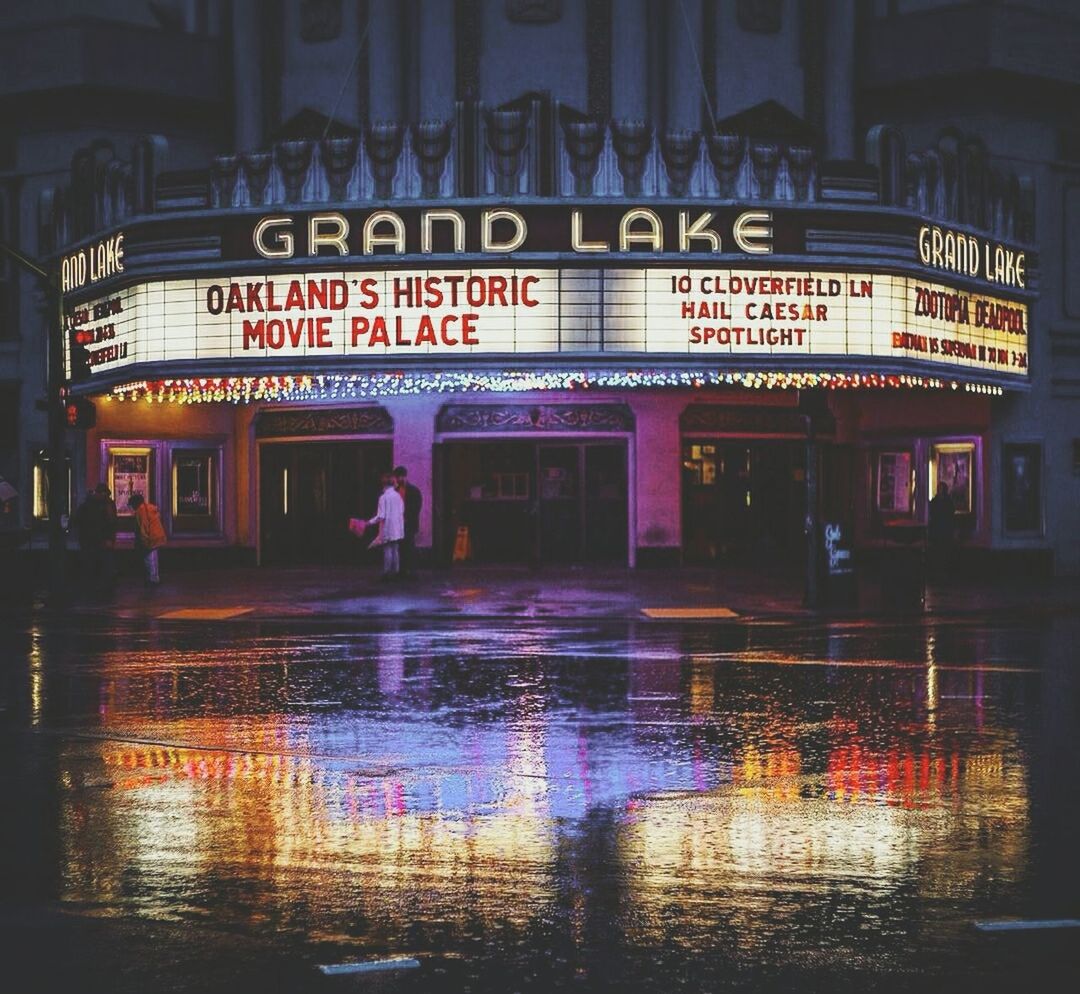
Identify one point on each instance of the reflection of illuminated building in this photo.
(886, 820)
(473, 817)
(471, 832)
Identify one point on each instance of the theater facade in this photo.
(690, 367)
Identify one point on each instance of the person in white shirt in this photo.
(390, 516)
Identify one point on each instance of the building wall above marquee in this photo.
(535, 150)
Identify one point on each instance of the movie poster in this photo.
(130, 473)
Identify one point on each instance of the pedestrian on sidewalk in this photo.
(149, 535)
(94, 524)
(941, 532)
(413, 500)
(390, 517)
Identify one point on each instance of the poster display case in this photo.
(895, 488)
(953, 463)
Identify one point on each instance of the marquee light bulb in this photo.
(366, 386)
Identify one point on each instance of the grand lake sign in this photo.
(507, 230)
(101, 260)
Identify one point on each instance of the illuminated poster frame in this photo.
(131, 470)
(953, 463)
(191, 510)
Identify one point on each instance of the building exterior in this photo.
(618, 280)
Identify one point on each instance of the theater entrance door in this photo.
(529, 502)
(307, 493)
(743, 501)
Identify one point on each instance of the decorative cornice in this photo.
(750, 420)
(333, 421)
(534, 418)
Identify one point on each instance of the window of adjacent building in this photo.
(953, 463)
(1022, 482)
(195, 489)
(131, 471)
(895, 483)
(9, 431)
(41, 488)
(1070, 255)
(1076, 456)
(8, 278)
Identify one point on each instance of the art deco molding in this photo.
(534, 418)
(745, 420)
(334, 421)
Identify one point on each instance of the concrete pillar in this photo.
(414, 437)
(840, 80)
(657, 487)
(247, 74)
(629, 60)
(684, 55)
(385, 77)
(436, 57)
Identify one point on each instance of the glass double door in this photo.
(559, 502)
(307, 493)
(743, 501)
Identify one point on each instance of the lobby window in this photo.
(699, 464)
(195, 485)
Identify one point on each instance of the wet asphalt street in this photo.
(625, 806)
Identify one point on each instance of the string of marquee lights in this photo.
(364, 386)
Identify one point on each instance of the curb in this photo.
(777, 618)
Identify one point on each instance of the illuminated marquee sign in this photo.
(92, 263)
(969, 255)
(506, 230)
(709, 313)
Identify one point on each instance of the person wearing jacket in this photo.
(149, 535)
(390, 516)
(414, 500)
(94, 523)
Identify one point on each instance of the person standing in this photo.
(95, 525)
(414, 501)
(390, 516)
(149, 535)
(940, 531)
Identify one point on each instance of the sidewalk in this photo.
(554, 594)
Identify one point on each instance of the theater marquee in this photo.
(709, 313)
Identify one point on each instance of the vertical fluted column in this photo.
(385, 75)
(629, 60)
(247, 75)
(436, 60)
(840, 80)
(684, 55)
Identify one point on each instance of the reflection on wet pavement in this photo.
(643, 807)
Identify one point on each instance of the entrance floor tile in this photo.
(688, 613)
(205, 613)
